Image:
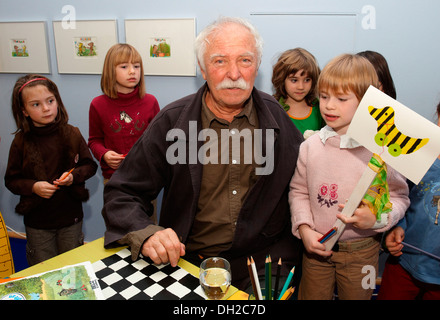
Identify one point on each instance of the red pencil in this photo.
(328, 234)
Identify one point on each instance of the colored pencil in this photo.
(269, 286)
(292, 290)
(253, 281)
(422, 251)
(288, 294)
(277, 281)
(266, 278)
(327, 236)
(259, 296)
(65, 176)
(287, 283)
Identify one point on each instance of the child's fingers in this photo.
(64, 180)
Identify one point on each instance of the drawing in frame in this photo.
(82, 50)
(23, 47)
(166, 45)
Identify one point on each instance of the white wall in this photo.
(405, 33)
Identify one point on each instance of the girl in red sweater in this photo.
(119, 117)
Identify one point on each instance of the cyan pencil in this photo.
(287, 283)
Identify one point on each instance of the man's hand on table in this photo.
(164, 247)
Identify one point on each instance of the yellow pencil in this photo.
(288, 294)
(287, 283)
(292, 290)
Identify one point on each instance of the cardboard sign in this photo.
(404, 139)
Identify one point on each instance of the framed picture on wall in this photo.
(82, 49)
(23, 47)
(166, 45)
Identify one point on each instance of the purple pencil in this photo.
(422, 251)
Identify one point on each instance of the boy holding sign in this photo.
(329, 167)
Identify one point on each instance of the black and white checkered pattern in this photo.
(121, 278)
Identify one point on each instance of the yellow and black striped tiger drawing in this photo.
(388, 134)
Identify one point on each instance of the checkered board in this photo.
(121, 278)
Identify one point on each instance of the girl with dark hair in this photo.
(48, 164)
(383, 72)
(294, 79)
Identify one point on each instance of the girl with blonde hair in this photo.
(119, 117)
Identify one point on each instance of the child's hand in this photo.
(66, 179)
(393, 241)
(113, 159)
(310, 240)
(362, 217)
(44, 189)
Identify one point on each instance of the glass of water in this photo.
(215, 277)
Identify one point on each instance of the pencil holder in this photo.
(263, 293)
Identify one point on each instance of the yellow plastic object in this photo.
(6, 261)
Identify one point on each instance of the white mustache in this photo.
(231, 84)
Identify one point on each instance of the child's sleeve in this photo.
(15, 180)
(96, 134)
(299, 198)
(86, 166)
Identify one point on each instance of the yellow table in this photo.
(94, 251)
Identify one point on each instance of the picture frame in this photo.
(82, 50)
(23, 47)
(165, 45)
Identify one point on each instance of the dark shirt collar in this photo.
(248, 111)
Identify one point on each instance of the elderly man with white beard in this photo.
(221, 197)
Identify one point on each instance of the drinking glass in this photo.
(215, 277)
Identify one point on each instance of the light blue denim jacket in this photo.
(420, 228)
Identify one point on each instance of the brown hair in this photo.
(17, 102)
(117, 54)
(289, 63)
(438, 111)
(383, 72)
(348, 72)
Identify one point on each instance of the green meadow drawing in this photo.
(70, 283)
